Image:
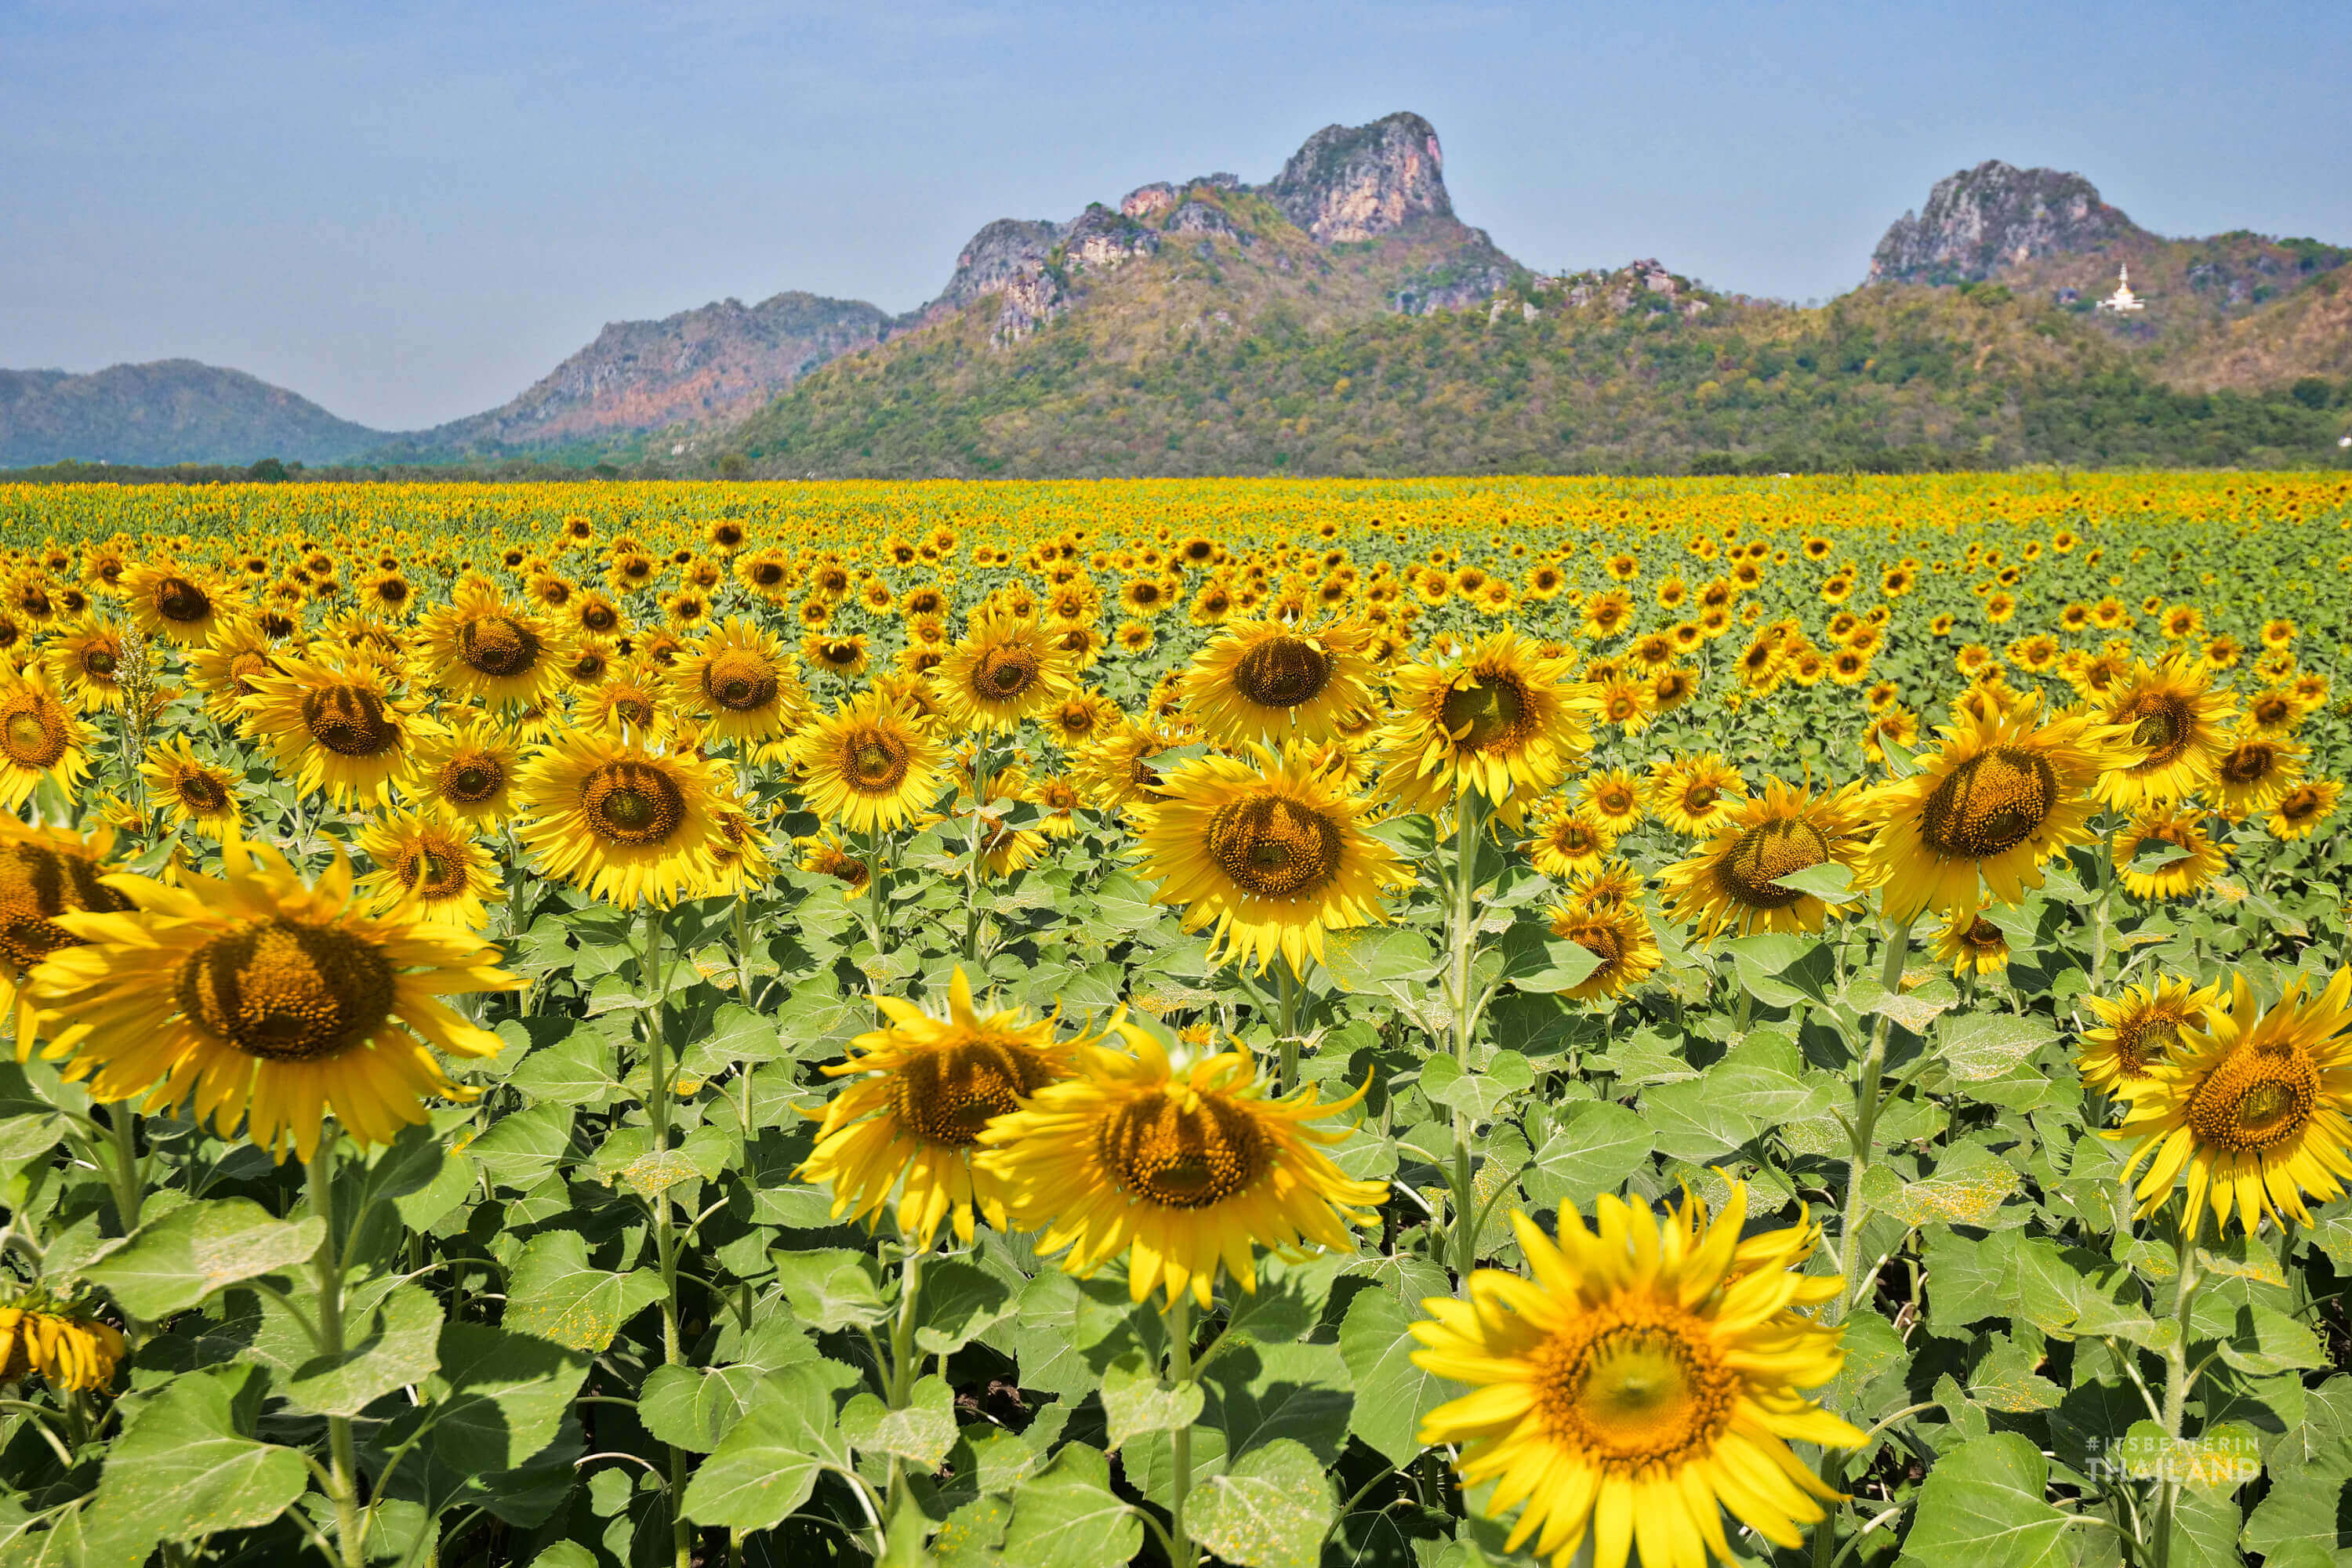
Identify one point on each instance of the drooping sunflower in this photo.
(1971, 944)
(1180, 1165)
(466, 771)
(429, 869)
(924, 1089)
(2200, 859)
(482, 648)
(823, 854)
(1500, 718)
(39, 738)
(2139, 1030)
(2000, 798)
(1265, 679)
(1733, 882)
(2254, 1107)
(741, 682)
(336, 728)
(267, 999)
(202, 795)
(626, 823)
(2303, 808)
(1693, 796)
(66, 1345)
(45, 872)
(870, 766)
(742, 858)
(1645, 1379)
(1274, 854)
(181, 604)
(1619, 935)
(1005, 670)
(1117, 771)
(2178, 727)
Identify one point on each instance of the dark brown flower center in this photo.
(349, 720)
(1489, 715)
(636, 804)
(1163, 1153)
(497, 645)
(287, 992)
(740, 682)
(1275, 847)
(1282, 672)
(1993, 802)
(1752, 870)
(177, 599)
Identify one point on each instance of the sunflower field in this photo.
(1273, 1023)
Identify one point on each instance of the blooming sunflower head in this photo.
(924, 1090)
(1647, 1377)
(45, 873)
(1693, 796)
(467, 772)
(1268, 680)
(201, 795)
(2302, 809)
(2137, 1031)
(2252, 1112)
(1972, 944)
(1733, 882)
(2001, 797)
(2255, 774)
(39, 738)
(870, 766)
(2178, 726)
(429, 869)
(1499, 719)
(1180, 1165)
(180, 604)
(1568, 839)
(481, 646)
(336, 726)
(62, 1343)
(740, 682)
(1618, 934)
(265, 999)
(1005, 670)
(1272, 853)
(2166, 852)
(626, 823)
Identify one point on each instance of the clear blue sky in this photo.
(409, 212)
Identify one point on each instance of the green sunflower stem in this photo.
(328, 1265)
(1468, 810)
(129, 1189)
(1179, 1318)
(654, 973)
(979, 846)
(1287, 987)
(2103, 910)
(1865, 1122)
(2177, 1378)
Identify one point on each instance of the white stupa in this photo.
(2122, 301)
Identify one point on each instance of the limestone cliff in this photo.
(1994, 216)
(1359, 182)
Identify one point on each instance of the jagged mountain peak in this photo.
(1358, 182)
(1980, 221)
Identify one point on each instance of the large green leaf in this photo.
(173, 1263)
(392, 1344)
(187, 1465)
(1269, 1511)
(554, 1292)
(497, 1398)
(1392, 1395)
(1068, 1517)
(1986, 1506)
(768, 1465)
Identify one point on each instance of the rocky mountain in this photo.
(1359, 182)
(696, 369)
(171, 411)
(1982, 220)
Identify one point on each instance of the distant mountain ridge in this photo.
(170, 411)
(1205, 304)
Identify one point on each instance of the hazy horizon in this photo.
(409, 214)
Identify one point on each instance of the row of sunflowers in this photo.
(1259, 1022)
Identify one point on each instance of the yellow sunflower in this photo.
(202, 795)
(2251, 1107)
(1274, 854)
(870, 766)
(741, 859)
(66, 1347)
(924, 1089)
(2000, 798)
(1265, 679)
(1181, 1166)
(2255, 774)
(2181, 827)
(1116, 769)
(2303, 808)
(1615, 797)
(1971, 944)
(1619, 935)
(336, 728)
(622, 822)
(1499, 719)
(466, 772)
(85, 663)
(2178, 730)
(482, 648)
(825, 855)
(180, 604)
(1647, 1377)
(1003, 670)
(1733, 882)
(225, 668)
(2137, 1031)
(45, 872)
(38, 738)
(265, 999)
(739, 680)
(1568, 839)
(429, 869)
(1693, 796)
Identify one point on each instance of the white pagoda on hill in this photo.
(2122, 301)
